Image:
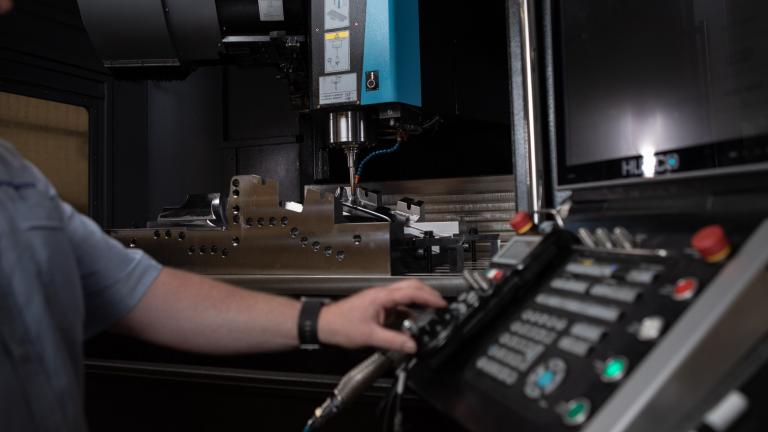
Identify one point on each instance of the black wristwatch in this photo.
(308, 318)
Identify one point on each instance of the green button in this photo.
(576, 410)
(615, 368)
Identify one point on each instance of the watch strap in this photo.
(308, 322)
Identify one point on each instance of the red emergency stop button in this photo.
(685, 289)
(521, 223)
(712, 243)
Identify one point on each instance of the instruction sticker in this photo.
(337, 51)
(336, 14)
(271, 10)
(338, 88)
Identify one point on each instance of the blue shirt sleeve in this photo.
(113, 277)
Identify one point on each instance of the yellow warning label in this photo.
(337, 35)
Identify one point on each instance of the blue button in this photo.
(545, 379)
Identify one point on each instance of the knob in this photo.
(521, 223)
(712, 243)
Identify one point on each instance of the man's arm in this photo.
(185, 311)
(189, 312)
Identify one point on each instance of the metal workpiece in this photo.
(264, 237)
(409, 209)
(204, 210)
(690, 364)
(484, 203)
(368, 199)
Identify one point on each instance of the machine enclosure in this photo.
(370, 58)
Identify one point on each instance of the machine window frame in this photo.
(68, 88)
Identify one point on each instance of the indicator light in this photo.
(576, 412)
(614, 369)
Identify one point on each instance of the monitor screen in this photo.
(658, 88)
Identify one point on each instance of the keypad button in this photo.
(472, 299)
(574, 346)
(591, 270)
(642, 276)
(545, 378)
(497, 370)
(588, 331)
(533, 332)
(586, 308)
(544, 319)
(460, 309)
(530, 349)
(570, 285)
(650, 328)
(620, 293)
(685, 289)
(509, 357)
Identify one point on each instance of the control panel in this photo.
(553, 328)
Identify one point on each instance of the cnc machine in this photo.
(631, 295)
(361, 61)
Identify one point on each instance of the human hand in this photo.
(358, 320)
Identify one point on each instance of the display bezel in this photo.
(735, 156)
